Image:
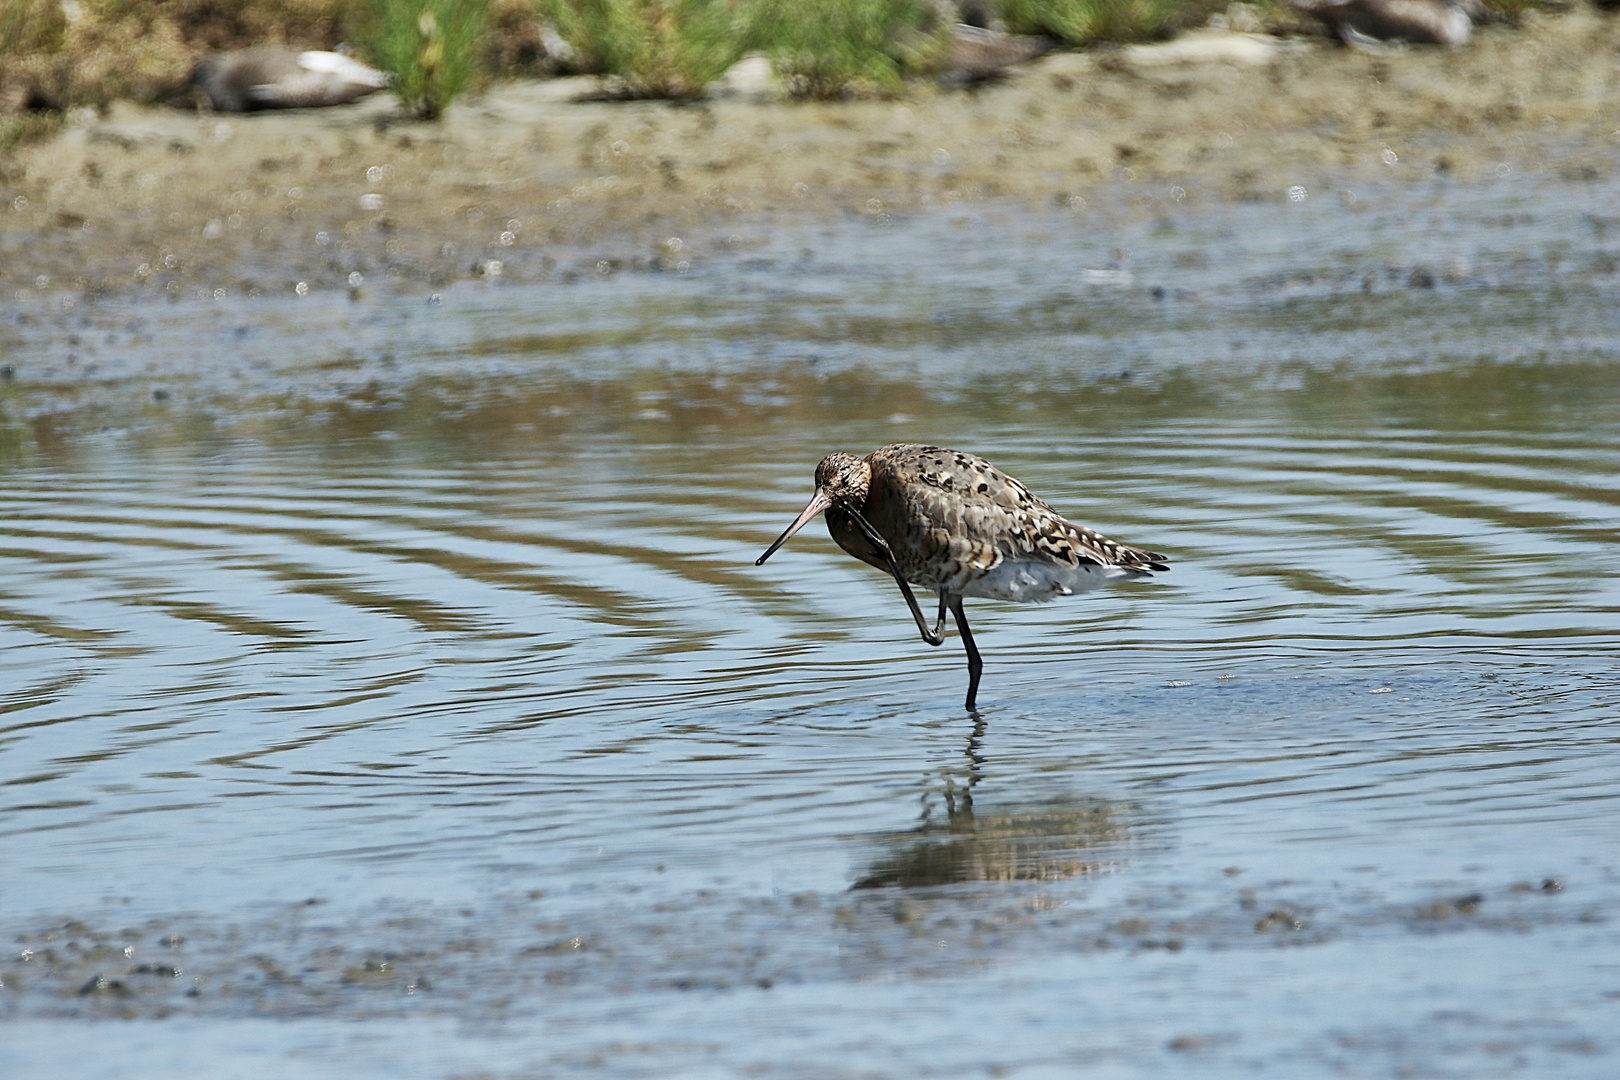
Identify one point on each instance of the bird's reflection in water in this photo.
(1063, 836)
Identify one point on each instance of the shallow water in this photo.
(388, 689)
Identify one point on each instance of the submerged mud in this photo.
(501, 961)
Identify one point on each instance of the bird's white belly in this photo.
(1029, 580)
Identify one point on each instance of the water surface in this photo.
(388, 689)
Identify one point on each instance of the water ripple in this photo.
(508, 628)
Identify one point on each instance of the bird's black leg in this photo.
(939, 623)
(873, 537)
(975, 664)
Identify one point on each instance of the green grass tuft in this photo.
(1077, 22)
(430, 47)
(658, 48)
(841, 48)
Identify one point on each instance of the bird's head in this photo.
(841, 480)
(844, 478)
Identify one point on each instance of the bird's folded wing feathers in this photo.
(987, 515)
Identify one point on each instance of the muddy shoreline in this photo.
(536, 182)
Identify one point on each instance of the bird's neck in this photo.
(848, 535)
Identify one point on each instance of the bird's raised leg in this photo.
(975, 664)
(873, 537)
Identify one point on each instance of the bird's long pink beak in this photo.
(817, 505)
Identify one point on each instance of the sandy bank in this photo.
(543, 184)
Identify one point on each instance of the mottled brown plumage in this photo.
(952, 522)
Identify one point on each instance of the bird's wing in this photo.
(978, 515)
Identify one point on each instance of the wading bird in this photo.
(1375, 22)
(272, 77)
(952, 522)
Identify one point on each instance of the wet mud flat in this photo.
(507, 961)
(388, 690)
(534, 182)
